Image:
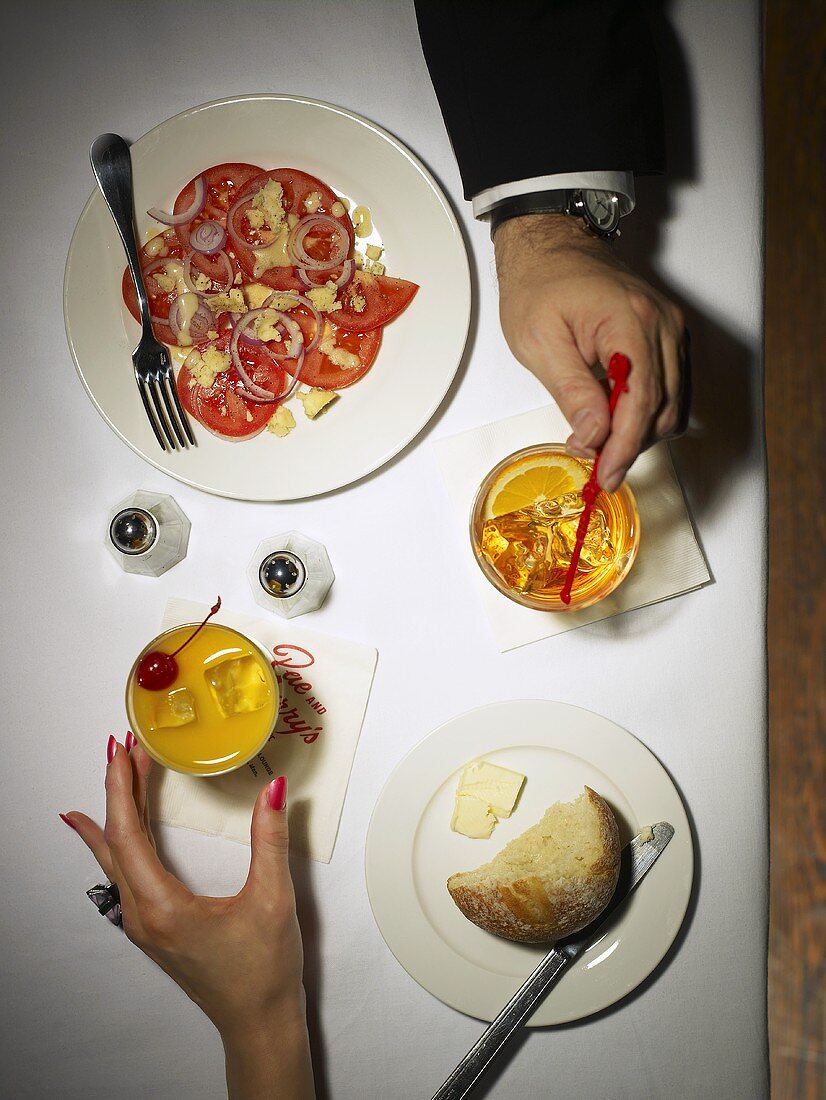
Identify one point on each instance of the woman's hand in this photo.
(240, 958)
(567, 303)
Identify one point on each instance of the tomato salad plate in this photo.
(309, 277)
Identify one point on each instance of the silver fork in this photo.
(112, 166)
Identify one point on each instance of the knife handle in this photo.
(507, 1023)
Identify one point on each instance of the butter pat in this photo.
(472, 817)
(493, 789)
(646, 835)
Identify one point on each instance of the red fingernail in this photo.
(111, 749)
(71, 824)
(131, 740)
(277, 793)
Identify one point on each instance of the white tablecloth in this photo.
(83, 1012)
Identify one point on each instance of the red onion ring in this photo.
(208, 237)
(285, 396)
(187, 262)
(296, 345)
(186, 215)
(201, 321)
(252, 388)
(348, 269)
(319, 324)
(235, 236)
(160, 261)
(300, 231)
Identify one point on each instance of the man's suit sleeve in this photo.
(533, 88)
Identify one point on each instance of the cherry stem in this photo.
(216, 608)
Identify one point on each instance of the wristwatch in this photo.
(599, 210)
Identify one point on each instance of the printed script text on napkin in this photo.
(325, 683)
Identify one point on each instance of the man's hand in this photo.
(567, 303)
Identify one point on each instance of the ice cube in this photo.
(560, 508)
(176, 708)
(516, 545)
(238, 686)
(597, 549)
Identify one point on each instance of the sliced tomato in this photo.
(322, 373)
(296, 186)
(384, 299)
(221, 408)
(160, 302)
(224, 184)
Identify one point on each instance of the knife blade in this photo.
(637, 859)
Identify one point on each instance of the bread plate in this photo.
(411, 852)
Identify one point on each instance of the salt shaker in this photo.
(290, 574)
(148, 533)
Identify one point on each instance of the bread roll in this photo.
(550, 881)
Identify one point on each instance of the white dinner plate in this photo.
(411, 851)
(421, 350)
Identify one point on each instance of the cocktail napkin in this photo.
(325, 683)
(669, 561)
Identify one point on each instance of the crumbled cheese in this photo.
(256, 294)
(324, 297)
(249, 417)
(373, 267)
(316, 400)
(205, 365)
(339, 206)
(155, 247)
(358, 302)
(312, 202)
(282, 422)
(165, 282)
(270, 201)
(374, 251)
(347, 360)
(265, 327)
(362, 221)
(274, 255)
(255, 217)
(202, 282)
(212, 334)
(358, 260)
(238, 278)
(233, 302)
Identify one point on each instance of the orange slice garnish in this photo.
(536, 479)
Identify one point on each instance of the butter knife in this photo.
(638, 857)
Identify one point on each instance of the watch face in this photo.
(602, 207)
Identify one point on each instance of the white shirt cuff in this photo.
(621, 182)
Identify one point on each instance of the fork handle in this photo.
(112, 166)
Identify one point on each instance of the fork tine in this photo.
(170, 412)
(153, 393)
(149, 416)
(183, 419)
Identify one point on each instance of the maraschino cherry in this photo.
(157, 670)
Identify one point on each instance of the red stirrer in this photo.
(619, 367)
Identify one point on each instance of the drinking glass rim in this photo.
(492, 575)
(155, 641)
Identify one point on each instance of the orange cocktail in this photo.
(524, 523)
(220, 709)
